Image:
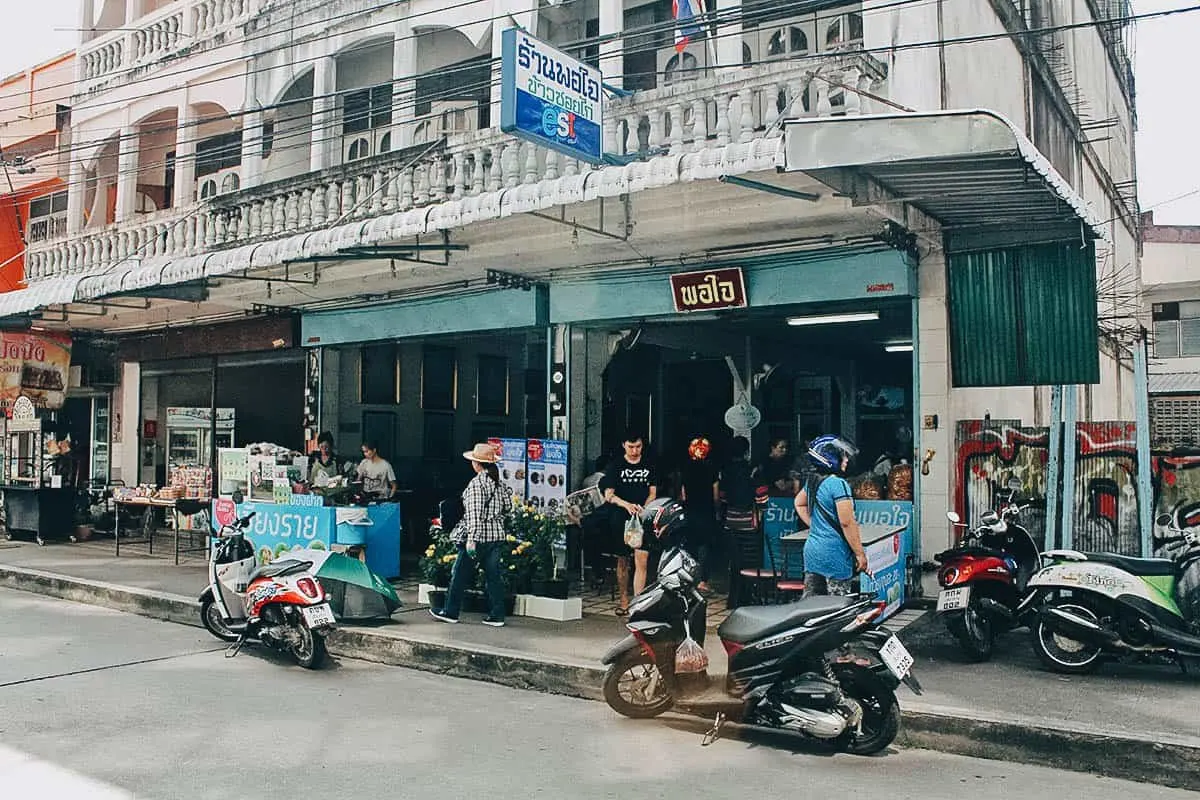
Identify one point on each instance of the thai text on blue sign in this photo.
(886, 528)
(549, 98)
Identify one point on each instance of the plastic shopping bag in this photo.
(633, 532)
(690, 656)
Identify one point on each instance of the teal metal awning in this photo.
(983, 181)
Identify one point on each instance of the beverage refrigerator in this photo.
(189, 432)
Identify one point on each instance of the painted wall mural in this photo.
(990, 453)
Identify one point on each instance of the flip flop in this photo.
(621, 612)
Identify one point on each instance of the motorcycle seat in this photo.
(756, 622)
(973, 551)
(1147, 567)
(278, 569)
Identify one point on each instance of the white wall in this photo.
(1165, 263)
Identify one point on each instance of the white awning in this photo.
(40, 294)
(972, 171)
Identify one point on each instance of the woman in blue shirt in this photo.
(833, 554)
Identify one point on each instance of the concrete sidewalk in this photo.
(1136, 723)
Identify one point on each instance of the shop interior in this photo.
(811, 370)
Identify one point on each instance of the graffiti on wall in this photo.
(992, 453)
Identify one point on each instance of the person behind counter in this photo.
(776, 470)
(377, 476)
(324, 467)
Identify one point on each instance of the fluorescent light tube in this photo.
(898, 348)
(829, 319)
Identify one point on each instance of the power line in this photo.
(458, 91)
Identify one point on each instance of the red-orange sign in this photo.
(709, 289)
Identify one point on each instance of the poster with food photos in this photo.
(547, 459)
(512, 463)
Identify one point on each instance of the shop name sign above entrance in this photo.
(549, 98)
(709, 289)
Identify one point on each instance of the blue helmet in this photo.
(825, 453)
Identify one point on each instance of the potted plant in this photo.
(435, 566)
(535, 536)
(83, 518)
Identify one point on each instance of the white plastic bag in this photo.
(633, 532)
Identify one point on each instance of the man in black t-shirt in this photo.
(629, 483)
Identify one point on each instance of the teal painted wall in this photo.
(783, 280)
(503, 310)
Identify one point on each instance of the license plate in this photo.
(318, 616)
(896, 656)
(953, 599)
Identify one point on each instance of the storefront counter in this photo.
(886, 528)
(278, 528)
(39, 513)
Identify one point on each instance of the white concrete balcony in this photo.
(720, 124)
(173, 30)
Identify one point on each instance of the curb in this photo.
(1113, 755)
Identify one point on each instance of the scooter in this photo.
(791, 667)
(983, 579)
(1092, 607)
(281, 604)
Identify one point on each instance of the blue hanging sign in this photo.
(549, 98)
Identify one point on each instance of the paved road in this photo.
(100, 705)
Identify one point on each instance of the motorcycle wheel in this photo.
(626, 687)
(975, 633)
(1063, 654)
(210, 615)
(310, 652)
(881, 712)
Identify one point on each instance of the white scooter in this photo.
(1102, 605)
(281, 604)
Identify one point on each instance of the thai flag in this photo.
(687, 21)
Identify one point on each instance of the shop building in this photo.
(804, 146)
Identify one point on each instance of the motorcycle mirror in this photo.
(237, 497)
(953, 517)
(1163, 520)
(1014, 484)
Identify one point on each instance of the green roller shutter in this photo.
(1024, 316)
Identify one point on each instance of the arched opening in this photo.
(218, 140)
(365, 98)
(453, 88)
(287, 132)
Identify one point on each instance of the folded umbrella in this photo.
(355, 592)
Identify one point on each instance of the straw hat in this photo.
(484, 453)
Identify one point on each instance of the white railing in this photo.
(154, 37)
(712, 111)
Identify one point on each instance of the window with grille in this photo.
(1177, 329)
(367, 109)
(1174, 421)
(47, 217)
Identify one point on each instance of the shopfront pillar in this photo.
(324, 113)
(404, 85)
(935, 457)
(185, 156)
(589, 356)
(612, 52)
(127, 172)
(252, 148)
(729, 34)
(76, 196)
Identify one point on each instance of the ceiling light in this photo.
(899, 348)
(829, 319)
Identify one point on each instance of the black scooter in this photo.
(822, 667)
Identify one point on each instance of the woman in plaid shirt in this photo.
(479, 535)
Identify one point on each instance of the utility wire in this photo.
(458, 91)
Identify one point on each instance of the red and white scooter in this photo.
(281, 605)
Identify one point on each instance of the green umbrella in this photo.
(355, 592)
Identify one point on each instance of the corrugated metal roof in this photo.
(1175, 383)
(49, 292)
(967, 169)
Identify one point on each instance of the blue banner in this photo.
(277, 529)
(886, 527)
(779, 520)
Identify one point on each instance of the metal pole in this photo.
(1069, 448)
(212, 430)
(1054, 469)
(1141, 396)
